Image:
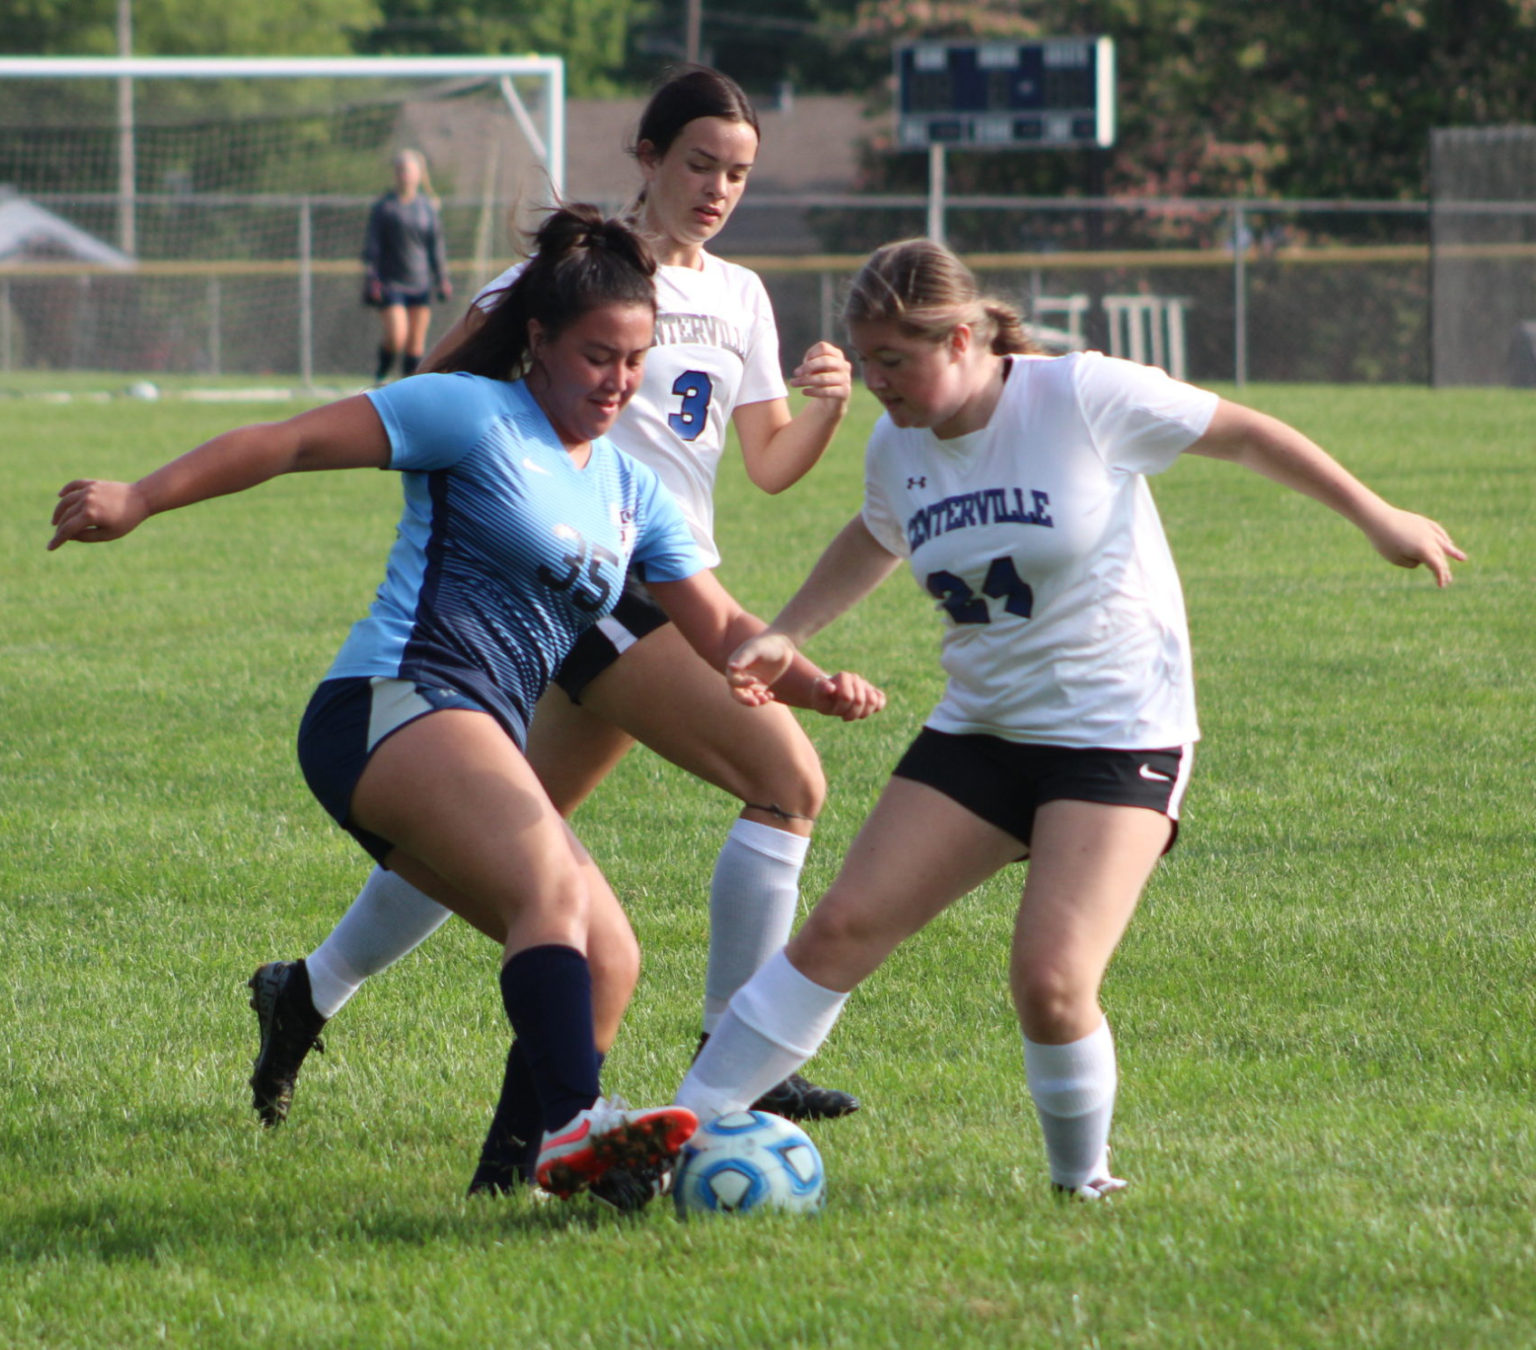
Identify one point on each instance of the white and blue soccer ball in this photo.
(749, 1160)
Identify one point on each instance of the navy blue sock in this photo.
(547, 992)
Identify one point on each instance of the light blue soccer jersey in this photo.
(506, 550)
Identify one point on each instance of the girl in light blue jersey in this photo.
(713, 369)
(521, 520)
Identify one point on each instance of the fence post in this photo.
(5, 324)
(215, 325)
(1239, 296)
(306, 298)
(827, 319)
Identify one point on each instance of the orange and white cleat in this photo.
(608, 1135)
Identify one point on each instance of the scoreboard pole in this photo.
(936, 192)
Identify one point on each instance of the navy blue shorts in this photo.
(1005, 782)
(398, 295)
(610, 637)
(346, 721)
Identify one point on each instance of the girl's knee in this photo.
(1054, 1003)
(614, 959)
(840, 943)
(795, 786)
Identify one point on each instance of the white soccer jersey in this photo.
(716, 349)
(1038, 537)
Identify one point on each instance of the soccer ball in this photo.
(749, 1160)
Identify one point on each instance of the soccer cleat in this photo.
(796, 1099)
(1096, 1189)
(505, 1167)
(497, 1179)
(630, 1189)
(608, 1135)
(289, 1027)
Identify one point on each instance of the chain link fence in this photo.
(1328, 292)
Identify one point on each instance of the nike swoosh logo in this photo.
(532, 467)
(1152, 775)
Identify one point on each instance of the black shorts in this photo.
(346, 721)
(1005, 782)
(610, 637)
(398, 295)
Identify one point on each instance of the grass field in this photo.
(1324, 1010)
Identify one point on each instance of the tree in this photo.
(187, 27)
(590, 35)
(812, 45)
(1289, 98)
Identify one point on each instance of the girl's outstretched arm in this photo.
(344, 435)
(1278, 451)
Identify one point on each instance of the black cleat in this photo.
(630, 1189)
(505, 1167)
(495, 1179)
(796, 1099)
(289, 1027)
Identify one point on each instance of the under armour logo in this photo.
(916, 482)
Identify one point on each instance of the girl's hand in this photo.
(824, 372)
(1406, 540)
(91, 512)
(755, 665)
(849, 696)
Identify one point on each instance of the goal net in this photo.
(1483, 255)
(207, 216)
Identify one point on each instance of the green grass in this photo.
(1323, 1009)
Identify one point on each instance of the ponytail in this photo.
(581, 261)
(1010, 335)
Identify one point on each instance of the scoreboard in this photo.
(1052, 93)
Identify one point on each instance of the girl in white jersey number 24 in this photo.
(1016, 488)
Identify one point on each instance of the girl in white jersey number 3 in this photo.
(1016, 488)
(715, 364)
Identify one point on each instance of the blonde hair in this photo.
(927, 292)
(424, 185)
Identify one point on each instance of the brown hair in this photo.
(581, 260)
(686, 94)
(926, 291)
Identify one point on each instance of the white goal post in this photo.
(548, 147)
(221, 199)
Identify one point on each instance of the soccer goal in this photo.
(206, 215)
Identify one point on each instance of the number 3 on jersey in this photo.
(1002, 583)
(694, 388)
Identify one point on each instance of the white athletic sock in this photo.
(776, 1022)
(389, 918)
(752, 901)
(1073, 1087)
